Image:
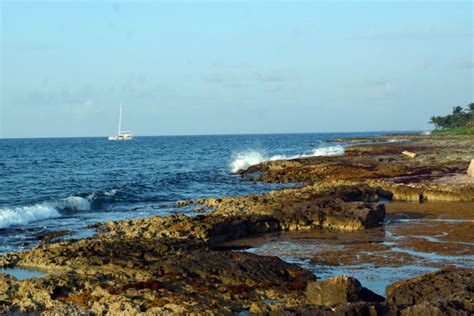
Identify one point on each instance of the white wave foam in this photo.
(328, 151)
(111, 192)
(25, 214)
(397, 140)
(97, 195)
(73, 203)
(245, 160)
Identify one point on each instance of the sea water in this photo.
(70, 183)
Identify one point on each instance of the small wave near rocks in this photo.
(244, 160)
(22, 215)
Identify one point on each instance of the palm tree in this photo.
(436, 121)
(457, 110)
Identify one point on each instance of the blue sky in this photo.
(194, 67)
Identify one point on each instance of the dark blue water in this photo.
(69, 183)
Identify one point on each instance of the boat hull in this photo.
(121, 137)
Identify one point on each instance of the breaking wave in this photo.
(397, 140)
(23, 215)
(72, 203)
(244, 160)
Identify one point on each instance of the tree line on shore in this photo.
(459, 117)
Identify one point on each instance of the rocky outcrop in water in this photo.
(424, 178)
(345, 208)
(423, 192)
(339, 290)
(232, 282)
(432, 286)
(446, 292)
(175, 263)
(135, 276)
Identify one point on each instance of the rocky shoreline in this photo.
(185, 264)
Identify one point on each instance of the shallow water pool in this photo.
(23, 273)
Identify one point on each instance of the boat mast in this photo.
(120, 120)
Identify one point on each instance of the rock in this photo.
(435, 291)
(339, 290)
(408, 154)
(53, 235)
(438, 158)
(422, 192)
(347, 309)
(470, 170)
(7, 290)
(342, 207)
(183, 203)
(461, 303)
(141, 275)
(256, 308)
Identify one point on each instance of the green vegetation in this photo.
(459, 122)
(465, 130)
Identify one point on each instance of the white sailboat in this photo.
(122, 135)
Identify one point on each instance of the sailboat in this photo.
(122, 135)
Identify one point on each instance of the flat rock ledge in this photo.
(438, 173)
(150, 279)
(446, 292)
(345, 208)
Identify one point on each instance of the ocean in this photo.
(68, 184)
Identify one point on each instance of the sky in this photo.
(196, 67)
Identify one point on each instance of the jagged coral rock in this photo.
(339, 290)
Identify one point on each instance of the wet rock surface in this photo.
(345, 208)
(439, 293)
(339, 290)
(383, 165)
(183, 264)
(135, 276)
(416, 238)
(174, 263)
(426, 288)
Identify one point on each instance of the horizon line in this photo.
(225, 134)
